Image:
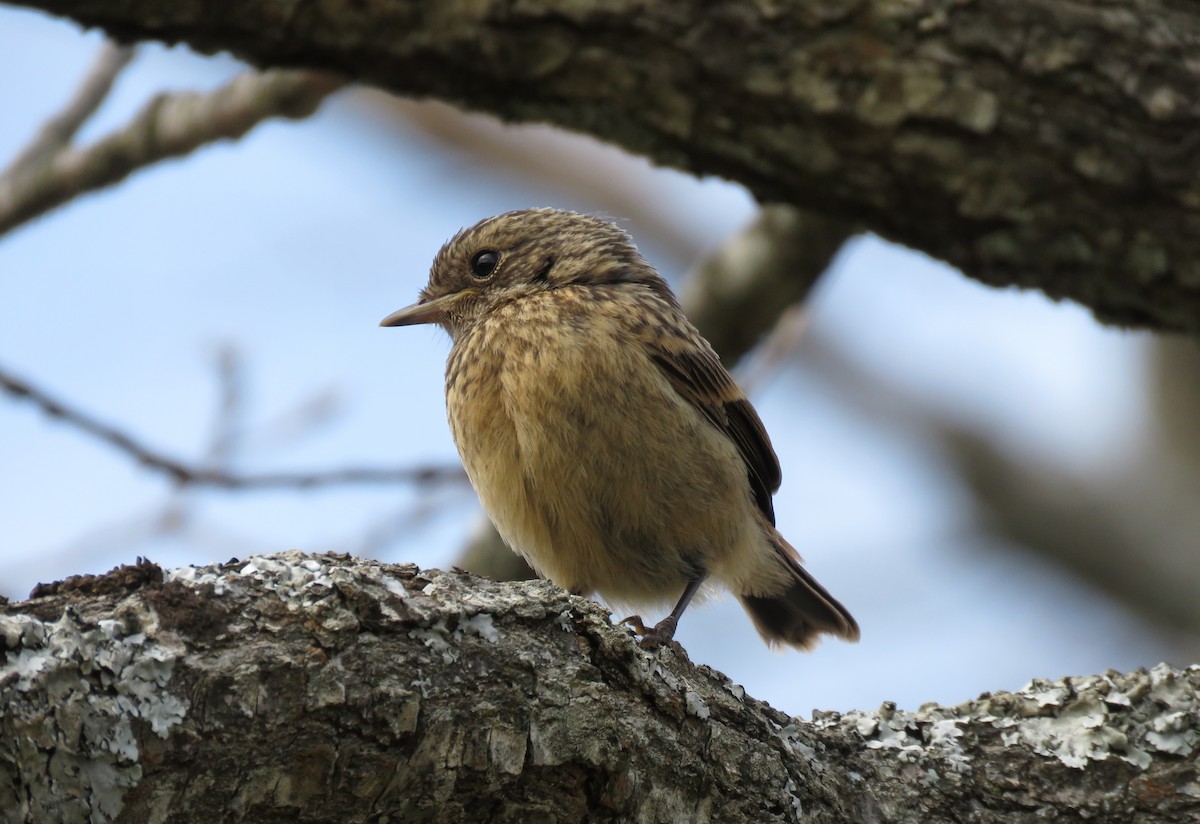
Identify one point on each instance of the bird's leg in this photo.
(664, 630)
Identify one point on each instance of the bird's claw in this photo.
(652, 637)
(635, 622)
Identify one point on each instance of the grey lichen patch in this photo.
(695, 705)
(292, 575)
(437, 638)
(438, 612)
(71, 692)
(482, 625)
(1130, 717)
(928, 738)
(1078, 720)
(332, 687)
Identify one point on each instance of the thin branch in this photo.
(58, 132)
(230, 402)
(300, 421)
(184, 474)
(170, 125)
(178, 509)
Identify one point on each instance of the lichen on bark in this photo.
(327, 688)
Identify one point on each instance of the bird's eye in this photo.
(484, 264)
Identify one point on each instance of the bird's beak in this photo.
(430, 311)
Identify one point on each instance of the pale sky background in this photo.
(291, 245)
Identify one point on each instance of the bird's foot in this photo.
(656, 636)
(635, 622)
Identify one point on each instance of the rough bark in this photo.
(1036, 143)
(309, 688)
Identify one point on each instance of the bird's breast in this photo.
(586, 459)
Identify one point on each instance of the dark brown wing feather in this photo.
(697, 375)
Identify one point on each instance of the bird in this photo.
(603, 436)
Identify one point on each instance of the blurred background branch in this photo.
(50, 172)
(57, 133)
(184, 474)
(1130, 530)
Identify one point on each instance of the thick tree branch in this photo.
(184, 474)
(325, 688)
(1043, 144)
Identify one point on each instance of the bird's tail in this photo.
(802, 610)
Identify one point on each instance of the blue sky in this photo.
(291, 244)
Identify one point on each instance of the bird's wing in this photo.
(697, 374)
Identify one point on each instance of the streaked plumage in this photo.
(605, 439)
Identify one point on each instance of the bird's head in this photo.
(522, 253)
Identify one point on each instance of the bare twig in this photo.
(294, 424)
(227, 424)
(170, 125)
(177, 510)
(58, 132)
(184, 475)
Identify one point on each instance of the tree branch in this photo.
(187, 475)
(58, 132)
(741, 291)
(326, 688)
(1047, 145)
(50, 173)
